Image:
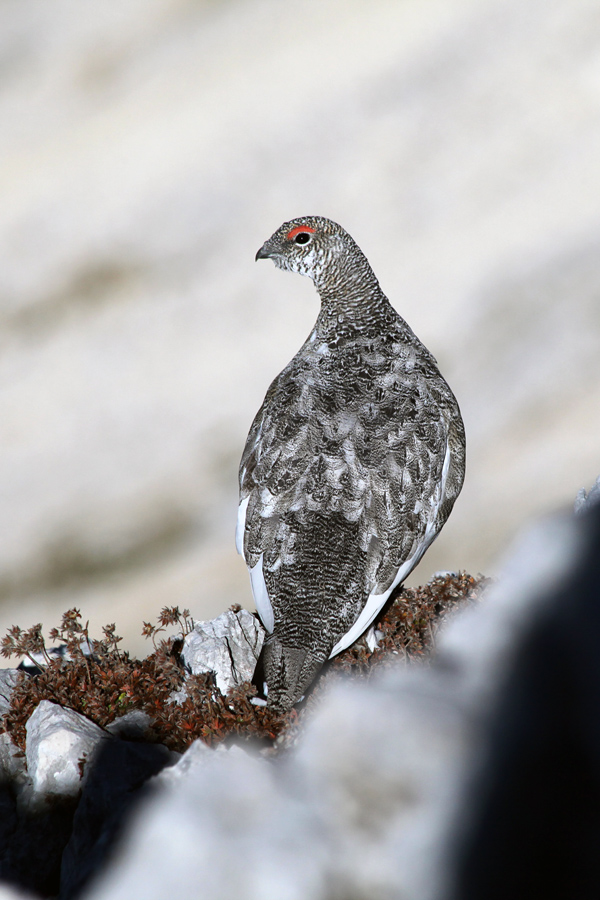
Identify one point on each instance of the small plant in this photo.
(25, 643)
(169, 615)
(74, 639)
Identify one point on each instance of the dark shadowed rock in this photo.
(33, 832)
(532, 809)
(112, 789)
(135, 725)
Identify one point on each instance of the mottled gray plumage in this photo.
(351, 467)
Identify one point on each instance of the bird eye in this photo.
(302, 238)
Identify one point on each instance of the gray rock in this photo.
(57, 740)
(229, 646)
(584, 500)
(8, 680)
(12, 761)
(135, 725)
(193, 760)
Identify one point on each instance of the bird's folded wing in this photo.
(386, 476)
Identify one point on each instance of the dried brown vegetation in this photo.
(102, 682)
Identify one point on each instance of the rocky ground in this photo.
(120, 776)
(84, 731)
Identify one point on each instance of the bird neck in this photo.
(350, 292)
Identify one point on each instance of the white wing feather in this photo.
(257, 579)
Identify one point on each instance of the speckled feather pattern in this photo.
(343, 462)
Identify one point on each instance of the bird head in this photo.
(307, 245)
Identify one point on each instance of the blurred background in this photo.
(149, 147)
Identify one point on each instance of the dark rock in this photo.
(36, 662)
(113, 787)
(533, 811)
(135, 725)
(33, 840)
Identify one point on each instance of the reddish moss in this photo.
(111, 683)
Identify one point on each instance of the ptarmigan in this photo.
(351, 467)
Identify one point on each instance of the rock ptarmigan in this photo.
(351, 467)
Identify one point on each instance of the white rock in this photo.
(57, 739)
(229, 646)
(194, 759)
(178, 697)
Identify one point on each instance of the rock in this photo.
(135, 725)
(584, 501)
(10, 893)
(33, 834)
(224, 824)
(12, 761)
(393, 782)
(347, 809)
(112, 789)
(529, 812)
(179, 697)
(8, 680)
(229, 646)
(194, 759)
(58, 740)
(12, 773)
(32, 838)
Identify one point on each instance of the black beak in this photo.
(262, 253)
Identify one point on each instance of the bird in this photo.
(351, 466)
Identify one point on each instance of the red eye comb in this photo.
(292, 234)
